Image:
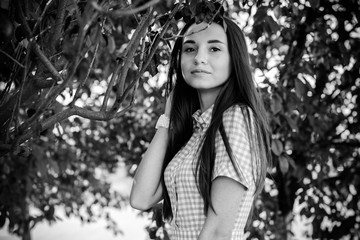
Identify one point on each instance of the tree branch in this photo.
(13, 59)
(109, 88)
(151, 55)
(124, 12)
(78, 90)
(81, 112)
(16, 107)
(41, 17)
(47, 63)
(129, 54)
(58, 23)
(53, 93)
(42, 84)
(23, 19)
(157, 41)
(140, 67)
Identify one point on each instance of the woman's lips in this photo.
(196, 71)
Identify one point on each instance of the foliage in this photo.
(314, 109)
(81, 86)
(67, 65)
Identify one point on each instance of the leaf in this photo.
(192, 7)
(277, 147)
(163, 19)
(276, 104)
(259, 2)
(300, 89)
(292, 121)
(277, 11)
(273, 27)
(5, 169)
(260, 15)
(291, 162)
(211, 6)
(111, 44)
(314, 3)
(152, 69)
(186, 14)
(284, 164)
(54, 166)
(40, 162)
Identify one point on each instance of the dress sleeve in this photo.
(235, 125)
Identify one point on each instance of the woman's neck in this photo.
(207, 98)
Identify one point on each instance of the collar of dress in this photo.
(201, 120)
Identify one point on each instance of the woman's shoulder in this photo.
(237, 110)
(238, 116)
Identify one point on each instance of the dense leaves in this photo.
(82, 83)
(313, 95)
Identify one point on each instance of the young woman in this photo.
(208, 158)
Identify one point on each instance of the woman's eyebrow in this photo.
(189, 42)
(215, 41)
(210, 41)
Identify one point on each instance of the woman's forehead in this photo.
(204, 31)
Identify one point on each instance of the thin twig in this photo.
(58, 23)
(200, 30)
(113, 78)
(139, 32)
(157, 40)
(47, 63)
(77, 12)
(3, 92)
(125, 12)
(22, 66)
(23, 19)
(52, 94)
(140, 67)
(48, 99)
(109, 88)
(119, 114)
(186, 35)
(78, 90)
(152, 53)
(16, 108)
(41, 17)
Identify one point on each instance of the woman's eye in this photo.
(188, 49)
(215, 49)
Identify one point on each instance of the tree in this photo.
(314, 108)
(79, 97)
(66, 62)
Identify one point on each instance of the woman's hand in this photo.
(147, 188)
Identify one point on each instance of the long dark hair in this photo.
(239, 89)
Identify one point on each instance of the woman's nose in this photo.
(200, 58)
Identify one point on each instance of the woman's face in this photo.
(205, 58)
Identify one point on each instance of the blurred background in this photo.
(83, 82)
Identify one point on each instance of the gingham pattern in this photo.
(186, 201)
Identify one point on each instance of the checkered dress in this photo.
(186, 201)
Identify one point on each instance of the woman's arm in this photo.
(231, 179)
(227, 197)
(147, 188)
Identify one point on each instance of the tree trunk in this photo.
(26, 234)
